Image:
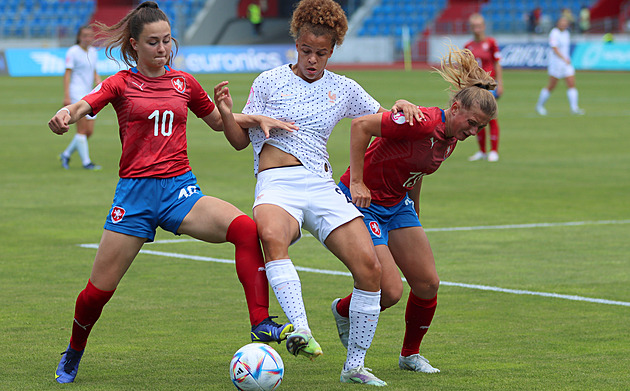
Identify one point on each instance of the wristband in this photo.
(66, 109)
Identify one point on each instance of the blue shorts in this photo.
(382, 219)
(143, 204)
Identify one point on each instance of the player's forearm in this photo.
(234, 132)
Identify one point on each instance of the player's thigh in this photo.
(553, 81)
(351, 243)
(570, 81)
(412, 253)
(277, 229)
(115, 253)
(209, 219)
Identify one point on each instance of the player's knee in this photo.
(426, 288)
(390, 295)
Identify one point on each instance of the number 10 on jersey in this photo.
(167, 115)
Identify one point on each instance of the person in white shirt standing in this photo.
(78, 80)
(560, 67)
(295, 187)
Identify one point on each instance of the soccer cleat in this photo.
(68, 366)
(64, 161)
(91, 166)
(493, 156)
(541, 110)
(361, 375)
(302, 342)
(578, 111)
(478, 156)
(416, 363)
(270, 331)
(343, 324)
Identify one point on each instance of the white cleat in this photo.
(541, 110)
(343, 324)
(493, 156)
(578, 111)
(416, 363)
(478, 156)
(361, 375)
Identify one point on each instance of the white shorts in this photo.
(316, 203)
(560, 70)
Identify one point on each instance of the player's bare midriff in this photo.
(272, 157)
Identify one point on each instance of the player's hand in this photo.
(361, 195)
(59, 122)
(409, 110)
(222, 97)
(268, 123)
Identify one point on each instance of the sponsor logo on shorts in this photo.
(179, 83)
(398, 118)
(376, 230)
(117, 214)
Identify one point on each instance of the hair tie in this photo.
(484, 86)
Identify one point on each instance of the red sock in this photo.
(343, 306)
(494, 135)
(250, 267)
(481, 139)
(87, 310)
(418, 317)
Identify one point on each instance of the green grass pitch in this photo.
(174, 323)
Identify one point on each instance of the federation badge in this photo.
(117, 214)
(398, 118)
(179, 83)
(376, 230)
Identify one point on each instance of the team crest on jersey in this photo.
(376, 230)
(117, 214)
(332, 97)
(179, 83)
(398, 118)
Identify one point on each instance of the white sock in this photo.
(71, 147)
(365, 307)
(572, 94)
(82, 148)
(542, 98)
(285, 282)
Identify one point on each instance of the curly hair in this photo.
(130, 26)
(320, 17)
(470, 84)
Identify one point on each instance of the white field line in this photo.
(476, 228)
(340, 273)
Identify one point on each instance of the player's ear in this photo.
(455, 107)
(134, 43)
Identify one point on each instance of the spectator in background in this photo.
(78, 80)
(254, 14)
(568, 15)
(534, 20)
(560, 67)
(584, 19)
(608, 37)
(486, 52)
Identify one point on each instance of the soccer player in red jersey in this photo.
(487, 53)
(384, 182)
(157, 186)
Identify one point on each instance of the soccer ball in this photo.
(256, 366)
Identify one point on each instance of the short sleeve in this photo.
(70, 59)
(105, 92)
(360, 103)
(200, 103)
(257, 95)
(395, 125)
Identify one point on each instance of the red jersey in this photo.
(403, 154)
(486, 52)
(152, 113)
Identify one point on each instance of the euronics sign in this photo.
(193, 59)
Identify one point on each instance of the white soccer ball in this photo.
(256, 366)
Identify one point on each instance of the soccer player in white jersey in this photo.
(560, 67)
(78, 81)
(295, 187)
